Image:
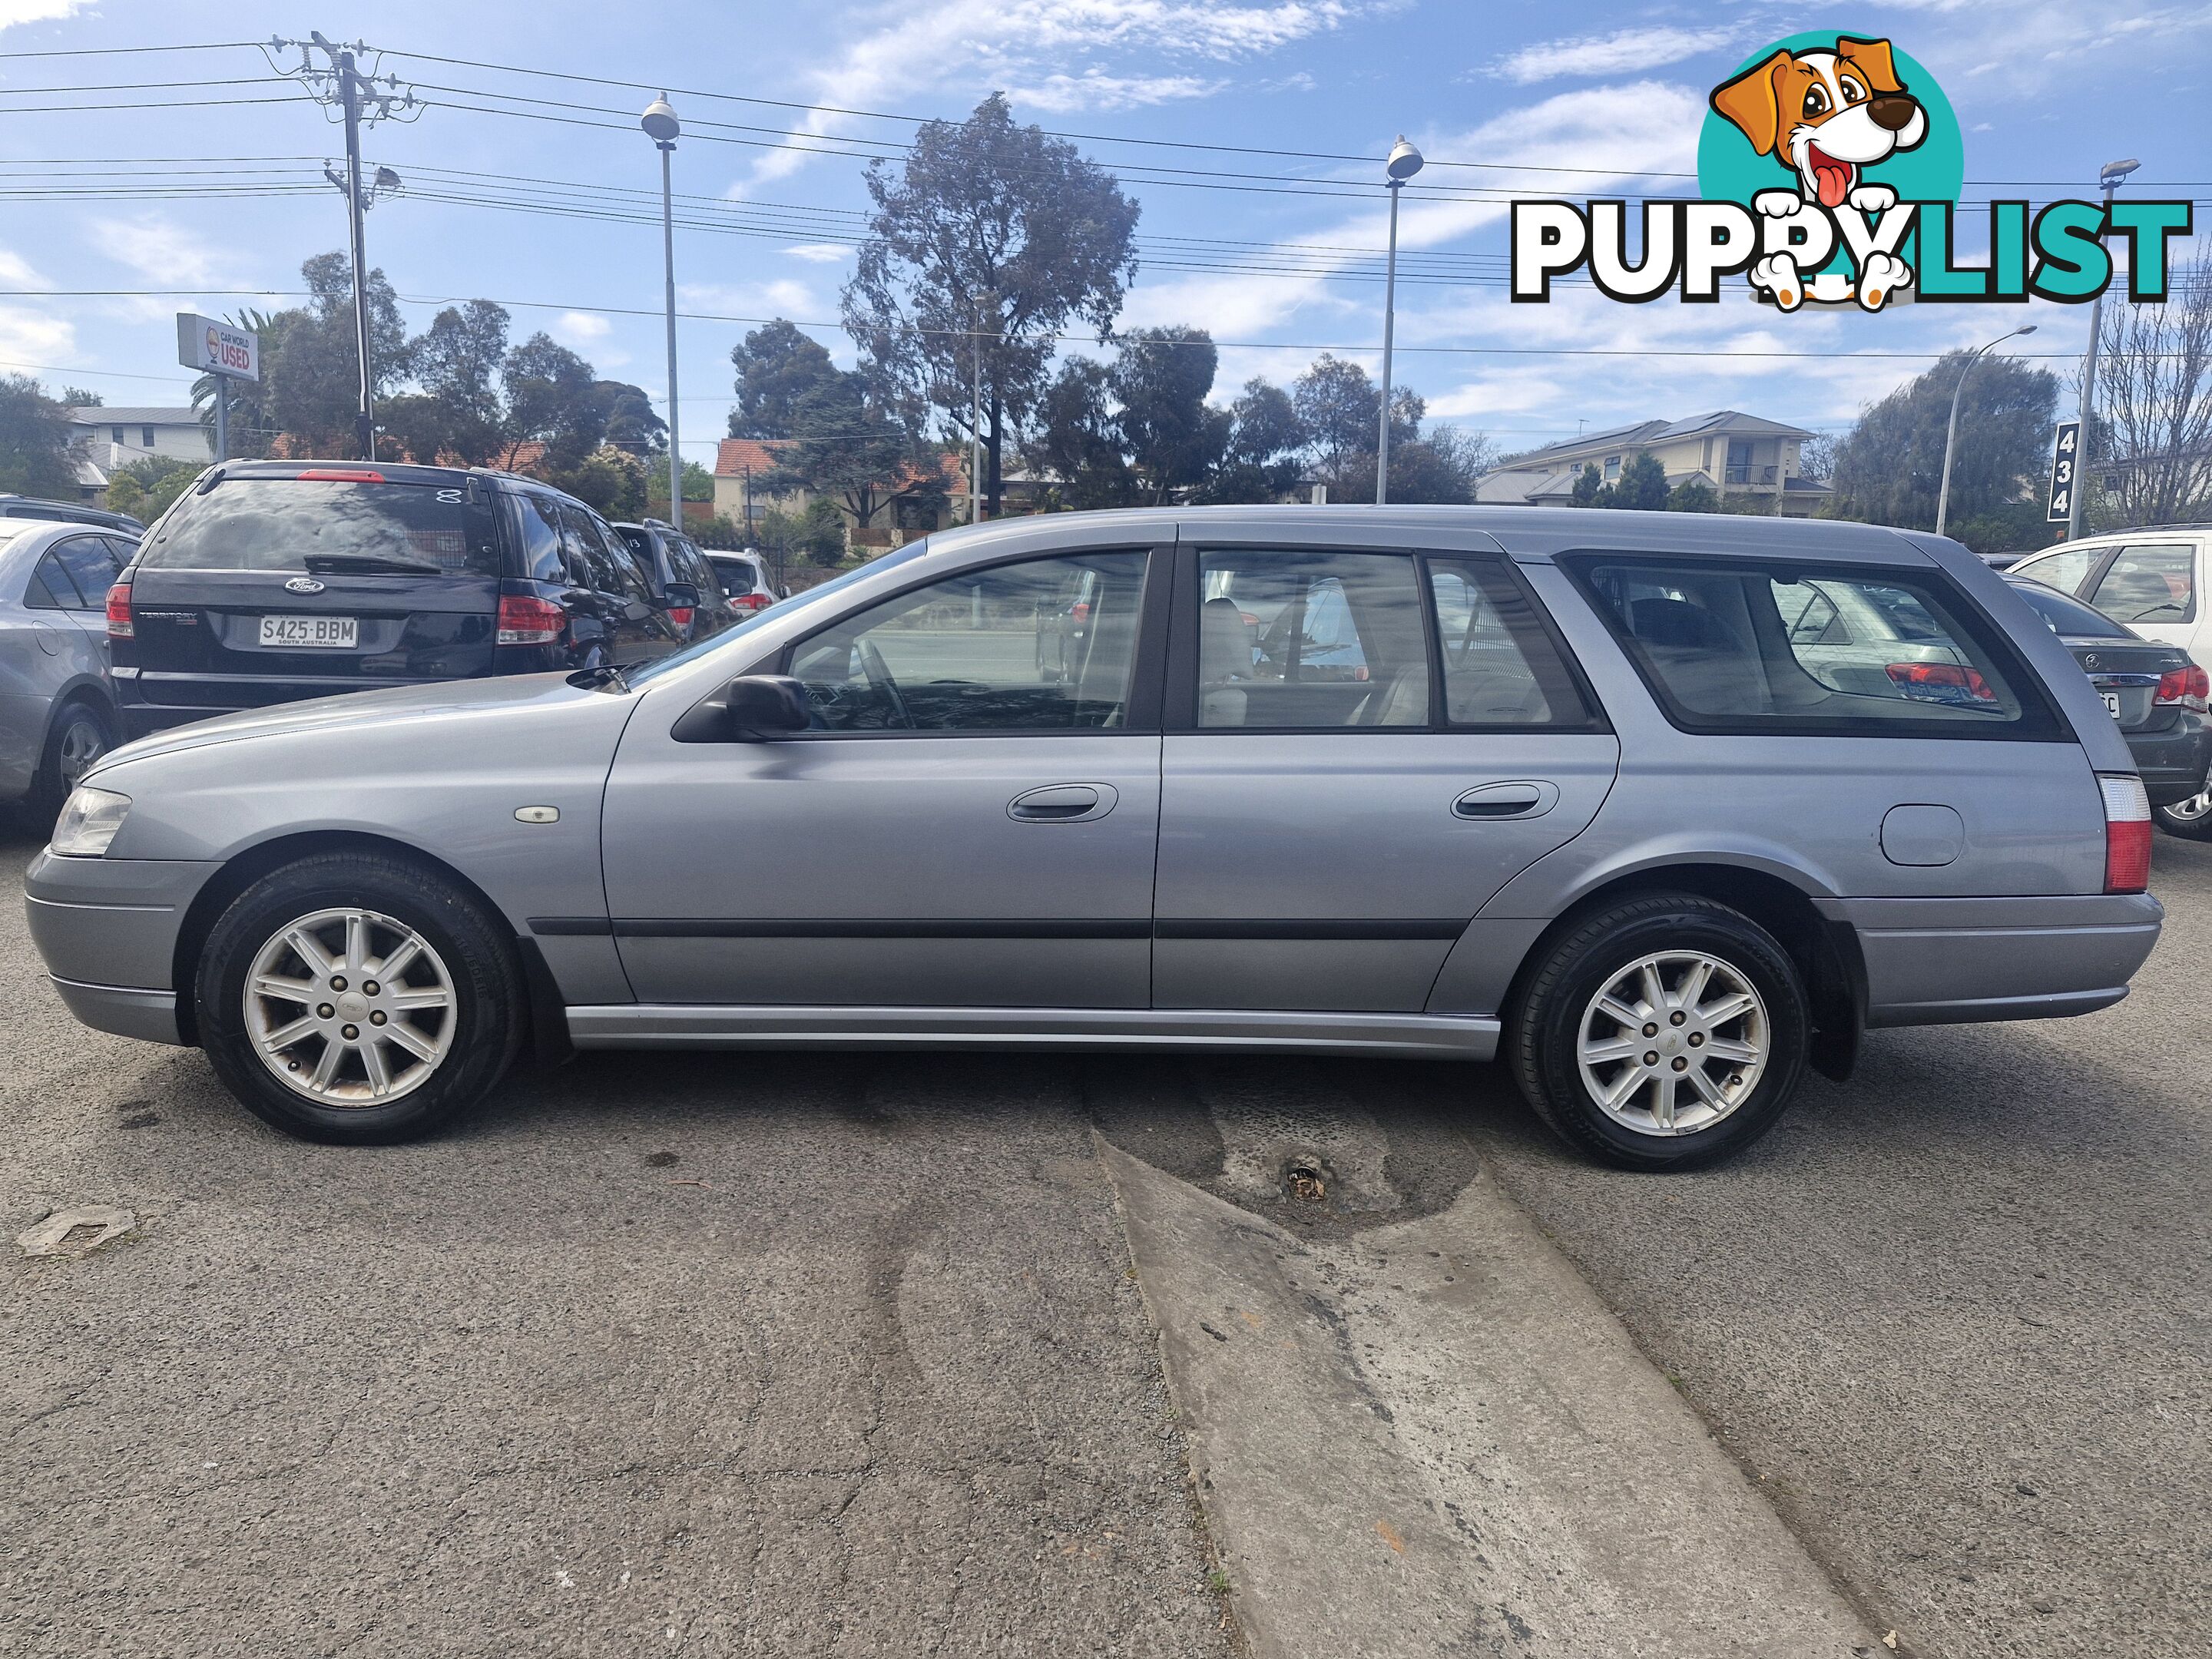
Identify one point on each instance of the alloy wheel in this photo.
(2192, 810)
(82, 744)
(349, 1007)
(1673, 1043)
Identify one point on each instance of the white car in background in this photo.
(745, 577)
(2153, 581)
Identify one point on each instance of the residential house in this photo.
(108, 438)
(1734, 453)
(741, 495)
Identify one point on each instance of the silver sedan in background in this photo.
(57, 698)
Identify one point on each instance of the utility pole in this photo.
(335, 80)
(2110, 177)
(975, 429)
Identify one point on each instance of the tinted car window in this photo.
(2069, 617)
(983, 651)
(1294, 641)
(2149, 584)
(538, 517)
(91, 567)
(1500, 668)
(49, 587)
(274, 523)
(1749, 647)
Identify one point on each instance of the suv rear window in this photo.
(1772, 647)
(274, 523)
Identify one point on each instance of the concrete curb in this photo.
(1431, 1437)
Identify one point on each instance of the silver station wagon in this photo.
(1661, 809)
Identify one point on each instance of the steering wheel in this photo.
(879, 676)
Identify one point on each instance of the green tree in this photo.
(610, 481)
(1074, 440)
(253, 427)
(816, 534)
(844, 443)
(1642, 486)
(1260, 462)
(1694, 496)
(75, 397)
(314, 383)
(1161, 380)
(551, 399)
(990, 240)
(1590, 488)
(631, 425)
(148, 488)
(35, 440)
(1338, 405)
(1440, 468)
(1890, 465)
(778, 369)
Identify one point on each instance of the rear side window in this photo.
(91, 567)
(2149, 584)
(2068, 618)
(275, 524)
(1753, 647)
(1501, 668)
(1296, 641)
(2063, 570)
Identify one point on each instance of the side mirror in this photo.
(680, 595)
(752, 709)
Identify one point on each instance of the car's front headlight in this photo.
(88, 822)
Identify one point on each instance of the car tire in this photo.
(2191, 820)
(459, 995)
(81, 733)
(1566, 1050)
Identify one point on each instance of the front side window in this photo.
(2149, 584)
(1500, 668)
(1752, 647)
(1293, 641)
(276, 524)
(1048, 645)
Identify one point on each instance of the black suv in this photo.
(271, 580)
(671, 562)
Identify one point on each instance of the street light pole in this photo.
(1405, 161)
(2109, 176)
(1951, 436)
(661, 126)
(349, 98)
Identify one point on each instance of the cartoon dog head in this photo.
(1828, 115)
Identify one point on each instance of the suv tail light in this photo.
(1081, 614)
(119, 625)
(680, 615)
(1941, 682)
(524, 619)
(748, 602)
(2127, 832)
(2188, 688)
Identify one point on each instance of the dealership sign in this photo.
(215, 348)
(1829, 171)
(2065, 457)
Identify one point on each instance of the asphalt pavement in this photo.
(804, 1354)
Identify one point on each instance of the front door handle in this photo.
(1530, 799)
(1063, 802)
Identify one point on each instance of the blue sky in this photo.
(2047, 90)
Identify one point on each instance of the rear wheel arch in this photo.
(1826, 953)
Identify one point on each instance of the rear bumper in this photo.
(2172, 763)
(1936, 962)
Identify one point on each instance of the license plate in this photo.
(316, 633)
(2112, 704)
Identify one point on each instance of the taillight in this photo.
(119, 625)
(1081, 614)
(680, 615)
(524, 619)
(1941, 682)
(748, 602)
(2127, 832)
(2186, 687)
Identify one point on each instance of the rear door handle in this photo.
(1063, 802)
(1530, 799)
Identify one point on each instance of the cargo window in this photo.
(1753, 647)
(277, 523)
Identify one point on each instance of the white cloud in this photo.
(1094, 89)
(17, 272)
(977, 45)
(1625, 51)
(580, 328)
(778, 298)
(12, 12)
(31, 337)
(159, 250)
(819, 253)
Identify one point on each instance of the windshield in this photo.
(791, 606)
(277, 523)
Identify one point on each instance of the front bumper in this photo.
(1935, 962)
(106, 929)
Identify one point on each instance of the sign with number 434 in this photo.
(2065, 453)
